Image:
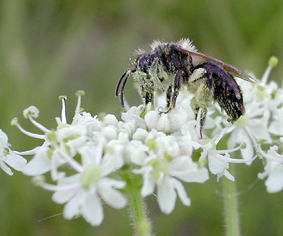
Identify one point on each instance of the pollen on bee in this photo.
(197, 74)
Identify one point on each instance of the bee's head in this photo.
(143, 62)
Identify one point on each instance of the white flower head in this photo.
(87, 156)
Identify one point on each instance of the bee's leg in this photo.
(147, 92)
(169, 97)
(149, 97)
(172, 93)
(200, 115)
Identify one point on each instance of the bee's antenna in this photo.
(123, 88)
(119, 83)
(122, 81)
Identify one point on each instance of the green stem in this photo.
(138, 208)
(232, 221)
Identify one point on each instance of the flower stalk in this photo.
(138, 208)
(231, 214)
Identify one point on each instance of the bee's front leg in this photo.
(173, 91)
(200, 116)
(147, 93)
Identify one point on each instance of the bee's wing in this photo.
(198, 57)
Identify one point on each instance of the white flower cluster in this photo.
(88, 159)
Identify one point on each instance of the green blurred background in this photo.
(54, 47)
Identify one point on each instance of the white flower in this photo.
(164, 169)
(60, 146)
(136, 152)
(166, 122)
(273, 170)
(217, 162)
(134, 114)
(82, 192)
(8, 157)
(248, 130)
(110, 120)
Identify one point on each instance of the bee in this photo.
(171, 65)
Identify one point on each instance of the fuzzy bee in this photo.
(169, 66)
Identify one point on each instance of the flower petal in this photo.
(182, 192)
(148, 182)
(72, 208)
(166, 195)
(16, 161)
(39, 165)
(5, 168)
(92, 209)
(274, 182)
(110, 195)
